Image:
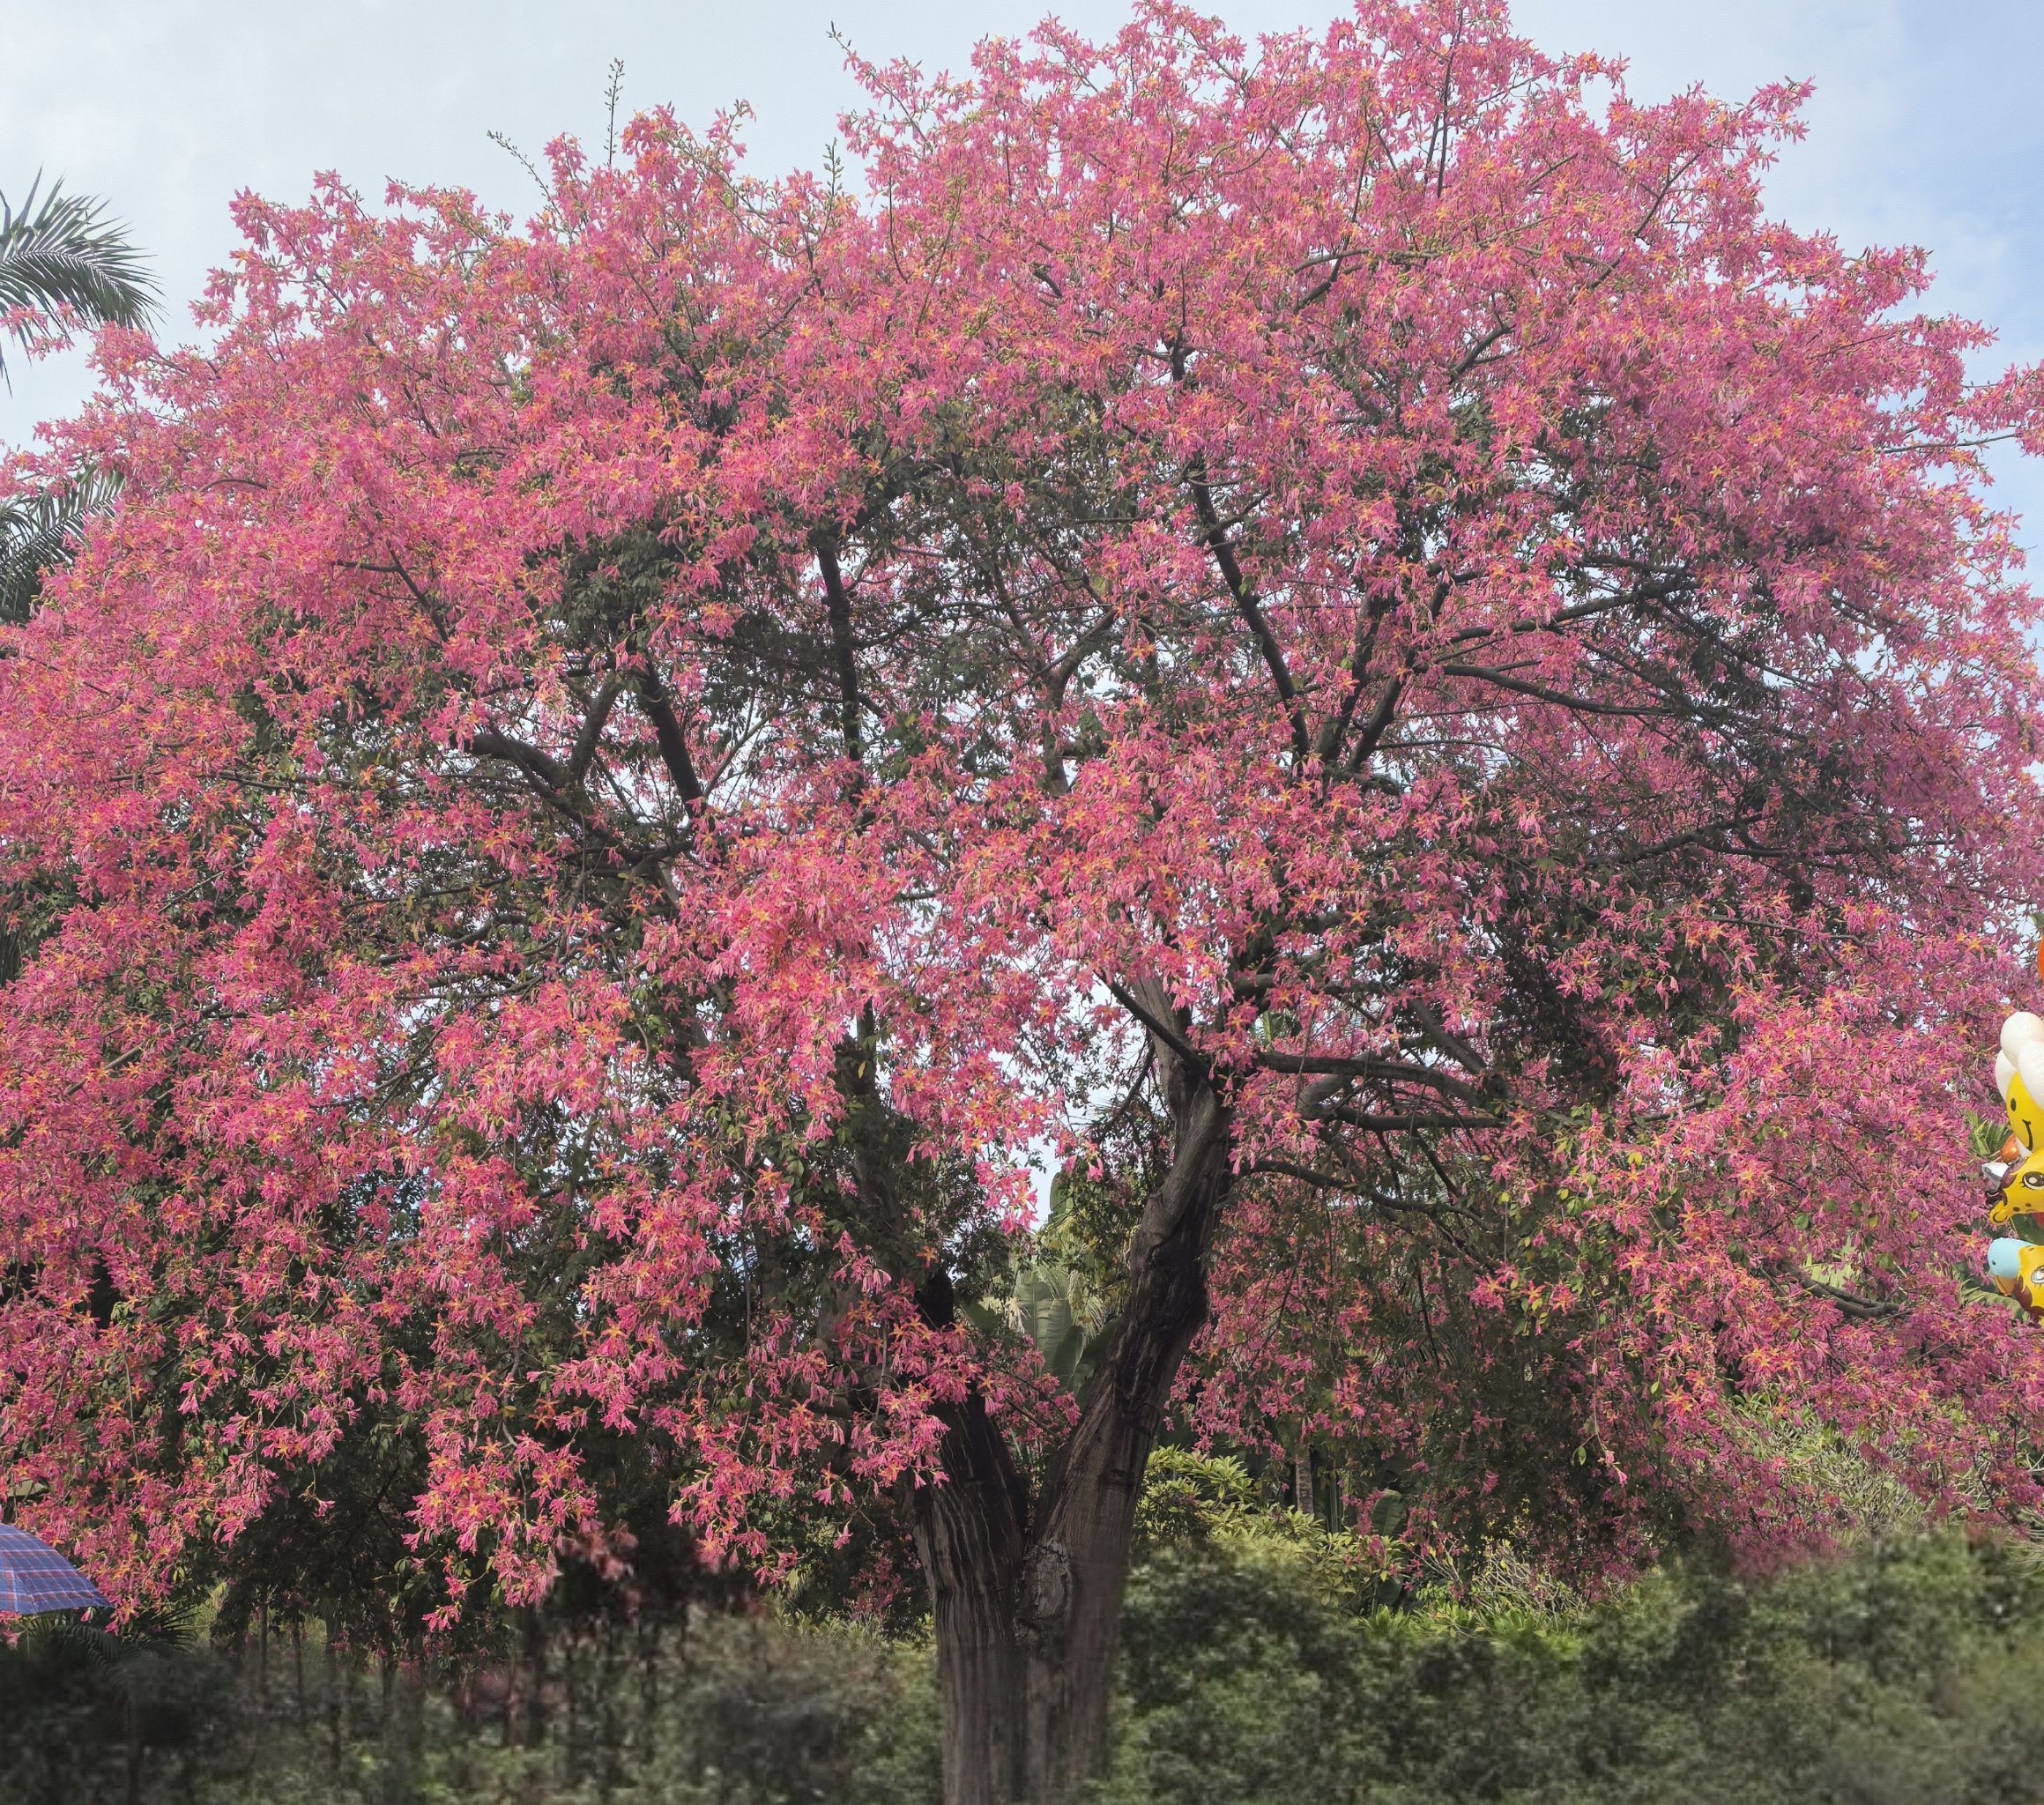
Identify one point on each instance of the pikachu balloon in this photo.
(2016, 1176)
(2020, 1075)
(2016, 1269)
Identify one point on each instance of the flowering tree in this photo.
(1353, 641)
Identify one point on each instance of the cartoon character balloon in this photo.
(2016, 1269)
(2015, 1176)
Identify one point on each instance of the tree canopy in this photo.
(1350, 640)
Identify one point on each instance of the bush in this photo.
(739, 1711)
(1905, 1675)
(82, 1716)
(1255, 1669)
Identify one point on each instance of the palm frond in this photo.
(63, 252)
(65, 1639)
(42, 530)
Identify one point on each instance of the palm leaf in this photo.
(64, 252)
(1064, 1356)
(42, 530)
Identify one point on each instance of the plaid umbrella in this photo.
(35, 1578)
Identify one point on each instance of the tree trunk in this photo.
(968, 1533)
(1026, 1601)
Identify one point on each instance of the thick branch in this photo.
(1851, 1304)
(1154, 1013)
(529, 759)
(1376, 722)
(1386, 1124)
(1337, 727)
(1070, 1591)
(551, 781)
(839, 606)
(1540, 692)
(1660, 588)
(1245, 606)
(1436, 1033)
(1390, 1071)
(667, 732)
(592, 726)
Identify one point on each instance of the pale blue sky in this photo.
(1926, 126)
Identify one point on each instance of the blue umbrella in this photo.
(34, 1577)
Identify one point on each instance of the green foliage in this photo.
(1204, 1507)
(60, 251)
(1902, 1674)
(1820, 1462)
(1984, 1134)
(78, 1707)
(40, 530)
(1064, 1298)
(738, 1711)
(1188, 1497)
(1051, 1305)
(1254, 1669)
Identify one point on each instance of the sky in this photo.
(1924, 126)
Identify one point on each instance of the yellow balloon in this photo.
(2025, 1119)
(2029, 1288)
(2021, 1191)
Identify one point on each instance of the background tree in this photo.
(62, 263)
(1353, 641)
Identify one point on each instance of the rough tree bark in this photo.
(1026, 1594)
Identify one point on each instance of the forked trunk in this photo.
(1026, 1601)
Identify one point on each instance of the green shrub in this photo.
(741, 1711)
(1255, 1667)
(1905, 1675)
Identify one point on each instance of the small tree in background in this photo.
(1354, 641)
(63, 265)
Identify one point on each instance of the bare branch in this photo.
(667, 732)
(535, 763)
(592, 726)
(1390, 1070)
(1245, 606)
(839, 607)
(1161, 1029)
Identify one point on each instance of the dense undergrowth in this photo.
(1260, 1664)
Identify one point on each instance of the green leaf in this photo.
(1046, 1307)
(65, 253)
(40, 532)
(1063, 1359)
